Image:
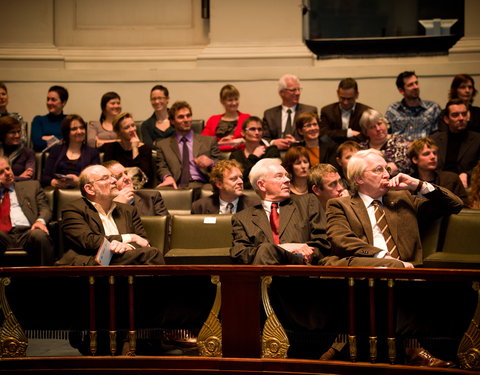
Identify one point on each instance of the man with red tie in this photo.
(24, 215)
(279, 230)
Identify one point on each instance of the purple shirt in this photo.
(195, 173)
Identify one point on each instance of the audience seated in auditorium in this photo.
(325, 182)
(412, 117)
(227, 198)
(22, 159)
(458, 147)
(67, 159)
(423, 155)
(255, 148)
(101, 132)
(4, 104)
(46, 130)
(280, 230)
(474, 192)
(279, 121)
(463, 87)
(227, 127)
(393, 146)
(24, 215)
(344, 152)
(128, 150)
(297, 163)
(319, 151)
(340, 121)
(88, 221)
(185, 148)
(157, 126)
(351, 220)
(147, 202)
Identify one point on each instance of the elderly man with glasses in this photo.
(357, 226)
(279, 121)
(94, 218)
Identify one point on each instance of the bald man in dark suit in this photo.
(299, 238)
(88, 221)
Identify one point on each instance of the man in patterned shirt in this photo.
(412, 117)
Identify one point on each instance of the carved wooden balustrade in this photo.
(238, 334)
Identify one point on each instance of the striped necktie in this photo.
(383, 226)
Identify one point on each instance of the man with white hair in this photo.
(380, 223)
(88, 221)
(354, 225)
(279, 121)
(279, 230)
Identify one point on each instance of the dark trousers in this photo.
(36, 243)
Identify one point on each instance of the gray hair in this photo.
(282, 82)
(369, 116)
(356, 165)
(260, 169)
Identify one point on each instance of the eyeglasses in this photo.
(294, 90)
(254, 129)
(380, 170)
(104, 178)
(310, 125)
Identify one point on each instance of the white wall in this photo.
(249, 43)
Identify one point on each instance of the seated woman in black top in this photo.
(128, 150)
(255, 148)
(68, 159)
(22, 159)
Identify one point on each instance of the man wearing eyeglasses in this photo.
(341, 120)
(86, 222)
(380, 222)
(279, 121)
(458, 148)
(353, 225)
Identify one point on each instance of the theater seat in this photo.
(459, 245)
(65, 196)
(178, 202)
(200, 239)
(197, 126)
(157, 231)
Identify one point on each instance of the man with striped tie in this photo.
(381, 220)
(379, 223)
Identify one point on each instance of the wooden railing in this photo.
(238, 335)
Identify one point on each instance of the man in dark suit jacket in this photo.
(203, 151)
(299, 237)
(341, 121)
(458, 148)
(277, 127)
(88, 221)
(147, 202)
(25, 213)
(352, 225)
(227, 198)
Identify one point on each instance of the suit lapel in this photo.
(120, 221)
(465, 145)
(174, 147)
(259, 218)
(360, 210)
(196, 145)
(24, 203)
(286, 212)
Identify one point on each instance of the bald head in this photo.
(97, 183)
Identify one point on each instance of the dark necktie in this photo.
(230, 208)
(185, 175)
(383, 226)
(275, 222)
(5, 222)
(288, 127)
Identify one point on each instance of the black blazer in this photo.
(211, 204)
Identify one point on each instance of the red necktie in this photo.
(275, 222)
(5, 222)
